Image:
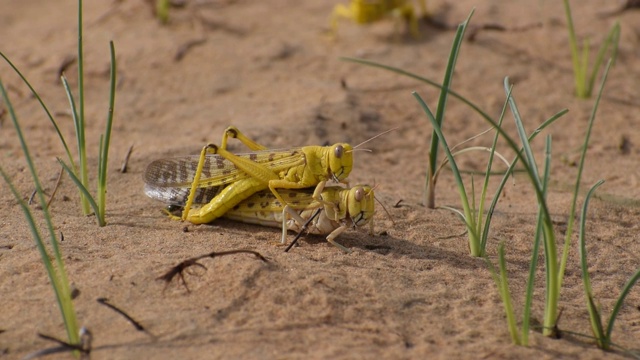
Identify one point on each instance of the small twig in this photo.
(61, 342)
(33, 194)
(452, 236)
(136, 324)
(303, 229)
(184, 48)
(181, 267)
(84, 347)
(125, 163)
(55, 188)
(475, 30)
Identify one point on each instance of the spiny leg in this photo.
(233, 132)
(194, 184)
(255, 170)
(260, 177)
(229, 197)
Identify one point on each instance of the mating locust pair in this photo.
(285, 187)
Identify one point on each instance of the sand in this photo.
(269, 68)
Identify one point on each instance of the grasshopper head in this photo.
(340, 161)
(361, 205)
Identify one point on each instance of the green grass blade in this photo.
(625, 291)
(521, 132)
(583, 156)
(528, 162)
(162, 10)
(539, 234)
(46, 110)
(80, 133)
(612, 40)
(583, 91)
(58, 278)
(80, 141)
(594, 314)
(84, 191)
(104, 145)
(510, 170)
(508, 307)
(503, 289)
(473, 238)
(483, 195)
(399, 71)
(533, 264)
(573, 44)
(442, 104)
(58, 281)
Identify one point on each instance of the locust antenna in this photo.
(375, 186)
(377, 136)
(385, 210)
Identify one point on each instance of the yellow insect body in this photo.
(231, 178)
(368, 11)
(354, 207)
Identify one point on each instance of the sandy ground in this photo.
(268, 67)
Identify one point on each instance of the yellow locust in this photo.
(354, 207)
(368, 11)
(228, 178)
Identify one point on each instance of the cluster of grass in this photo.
(584, 81)
(55, 271)
(78, 173)
(478, 222)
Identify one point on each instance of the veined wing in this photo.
(217, 171)
(178, 195)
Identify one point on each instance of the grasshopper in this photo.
(368, 11)
(229, 178)
(354, 207)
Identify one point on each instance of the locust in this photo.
(354, 207)
(368, 11)
(227, 178)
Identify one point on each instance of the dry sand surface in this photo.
(268, 67)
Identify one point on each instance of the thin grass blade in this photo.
(440, 110)
(84, 191)
(104, 145)
(502, 283)
(468, 214)
(576, 188)
(58, 278)
(612, 41)
(594, 314)
(45, 108)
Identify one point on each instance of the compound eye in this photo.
(338, 151)
(359, 195)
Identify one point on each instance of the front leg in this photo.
(334, 234)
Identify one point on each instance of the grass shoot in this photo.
(55, 270)
(79, 172)
(584, 81)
